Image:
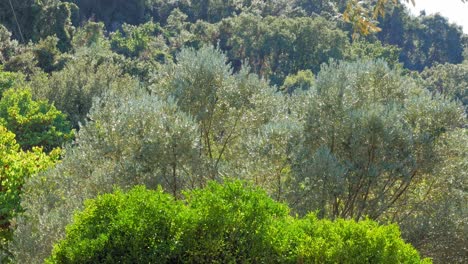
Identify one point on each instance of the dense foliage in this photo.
(35, 123)
(450, 80)
(424, 41)
(226, 223)
(352, 110)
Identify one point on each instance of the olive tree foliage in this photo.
(437, 222)
(369, 140)
(268, 150)
(227, 106)
(15, 57)
(267, 156)
(8, 46)
(90, 73)
(132, 138)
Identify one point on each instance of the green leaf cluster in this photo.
(133, 41)
(35, 123)
(302, 80)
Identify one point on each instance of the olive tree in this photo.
(91, 72)
(448, 79)
(436, 224)
(369, 139)
(226, 105)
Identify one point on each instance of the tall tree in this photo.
(369, 139)
(226, 105)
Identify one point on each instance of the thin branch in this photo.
(16, 20)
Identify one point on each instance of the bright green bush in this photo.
(302, 80)
(230, 223)
(348, 241)
(140, 226)
(35, 123)
(136, 41)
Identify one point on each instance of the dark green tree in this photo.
(424, 41)
(275, 47)
(35, 20)
(450, 80)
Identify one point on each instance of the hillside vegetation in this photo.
(220, 131)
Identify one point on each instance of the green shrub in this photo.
(137, 227)
(230, 223)
(302, 80)
(348, 241)
(136, 41)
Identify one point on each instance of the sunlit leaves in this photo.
(35, 123)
